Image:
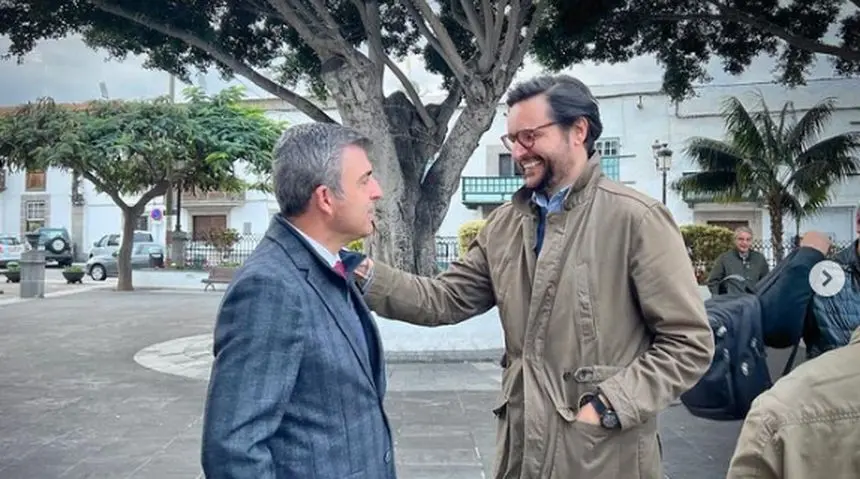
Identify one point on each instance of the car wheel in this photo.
(57, 245)
(98, 272)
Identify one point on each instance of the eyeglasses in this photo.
(526, 137)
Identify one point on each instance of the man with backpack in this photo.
(782, 310)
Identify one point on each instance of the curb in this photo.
(55, 294)
(445, 356)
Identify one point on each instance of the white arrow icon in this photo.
(827, 278)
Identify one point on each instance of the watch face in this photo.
(609, 420)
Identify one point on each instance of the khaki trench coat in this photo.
(610, 303)
(807, 426)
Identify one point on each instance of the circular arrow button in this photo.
(827, 278)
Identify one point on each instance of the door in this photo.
(203, 224)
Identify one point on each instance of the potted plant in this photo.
(13, 272)
(73, 274)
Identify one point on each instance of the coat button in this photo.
(387, 457)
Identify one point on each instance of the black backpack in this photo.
(770, 314)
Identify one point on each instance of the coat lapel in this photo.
(316, 271)
(320, 285)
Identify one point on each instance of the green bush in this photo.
(357, 246)
(708, 243)
(467, 233)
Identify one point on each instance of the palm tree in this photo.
(773, 159)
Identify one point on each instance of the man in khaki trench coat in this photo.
(604, 324)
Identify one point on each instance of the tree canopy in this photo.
(684, 35)
(134, 151)
(341, 49)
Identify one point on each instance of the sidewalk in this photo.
(74, 403)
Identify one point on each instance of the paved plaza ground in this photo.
(111, 385)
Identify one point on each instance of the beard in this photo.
(542, 180)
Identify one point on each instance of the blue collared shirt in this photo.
(545, 207)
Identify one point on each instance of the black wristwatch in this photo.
(608, 418)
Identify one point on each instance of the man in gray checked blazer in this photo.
(298, 381)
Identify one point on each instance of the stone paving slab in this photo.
(74, 403)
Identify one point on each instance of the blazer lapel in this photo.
(304, 257)
(340, 317)
(366, 316)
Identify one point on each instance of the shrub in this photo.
(708, 243)
(467, 233)
(357, 246)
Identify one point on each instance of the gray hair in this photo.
(743, 229)
(569, 99)
(308, 156)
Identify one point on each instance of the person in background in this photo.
(298, 382)
(603, 322)
(738, 269)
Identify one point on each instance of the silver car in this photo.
(109, 244)
(143, 255)
(10, 249)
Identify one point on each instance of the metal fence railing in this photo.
(769, 250)
(200, 254)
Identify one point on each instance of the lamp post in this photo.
(663, 161)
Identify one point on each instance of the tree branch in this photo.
(440, 41)
(733, 14)
(512, 36)
(369, 13)
(494, 35)
(100, 185)
(524, 45)
(300, 22)
(221, 55)
(474, 24)
(158, 190)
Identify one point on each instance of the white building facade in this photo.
(633, 116)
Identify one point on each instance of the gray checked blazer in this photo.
(295, 391)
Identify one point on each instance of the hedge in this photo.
(467, 233)
(357, 246)
(708, 243)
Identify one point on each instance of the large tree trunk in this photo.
(414, 203)
(123, 260)
(777, 230)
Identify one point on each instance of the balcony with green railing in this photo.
(495, 190)
(488, 190)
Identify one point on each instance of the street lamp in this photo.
(663, 161)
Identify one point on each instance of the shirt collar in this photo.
(553, 203)
(321, 250)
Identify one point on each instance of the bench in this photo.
(218, 275)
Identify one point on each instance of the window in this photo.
(142, 223)
(35, 180)
(35, 212)
(507, 167)
(142, 238)
(611, 168)
(610, 150)
(246, 228)
(608, 147)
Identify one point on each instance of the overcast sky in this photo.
(68, 70)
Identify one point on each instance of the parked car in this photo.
(10, 249)
(143, 255)
(109, 244)
(57, 245)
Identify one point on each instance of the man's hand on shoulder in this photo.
(817, 240)
(365, 269)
